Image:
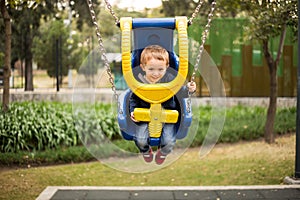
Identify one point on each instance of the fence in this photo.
(242, 64)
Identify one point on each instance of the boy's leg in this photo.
(141, 141)
(141, 137)
(168, 139)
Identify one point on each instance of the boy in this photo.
(154, 63)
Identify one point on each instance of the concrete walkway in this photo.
(271, 192)
(105, 95)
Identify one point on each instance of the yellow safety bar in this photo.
(161, 92)
(155, 116)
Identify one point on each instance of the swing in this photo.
(150, 31)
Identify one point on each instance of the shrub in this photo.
(39, 125)
(245, 123)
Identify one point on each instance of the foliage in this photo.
(229, 8)
(29, 126)
(245, 123)
(95, 124)
(27, 17)
(81, 12)
(45, 52)
(285, 120)
(49, 156)
(36, 126)
(45, 47)
(225, 8)
(268, 19)
(173, 8)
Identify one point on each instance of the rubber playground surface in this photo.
(274, 192)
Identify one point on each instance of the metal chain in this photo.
(109, 7)
(190, 21)
(196, 12)
(203, 39)
(201, 48)
(102, 50)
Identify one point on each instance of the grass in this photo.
(242, 163)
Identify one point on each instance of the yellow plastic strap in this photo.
(156, 116)
(181, 26)
(126, 26)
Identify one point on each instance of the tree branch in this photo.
(268, 55)
(281, 43)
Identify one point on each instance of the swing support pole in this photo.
(297, 158)
(295, 180)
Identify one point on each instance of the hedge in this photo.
(39, 126)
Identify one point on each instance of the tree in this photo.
(44, 47)
(270, 19)
(173, 8)
(71, 53)
(6, 68)
(27, 17)
(229, 8)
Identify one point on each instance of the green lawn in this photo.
(243, 163)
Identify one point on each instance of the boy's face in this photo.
(154, 70)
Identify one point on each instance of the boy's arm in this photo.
(190, 87)
(133, 103)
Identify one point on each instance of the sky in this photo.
(136, 4)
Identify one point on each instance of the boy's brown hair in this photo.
(154, 52)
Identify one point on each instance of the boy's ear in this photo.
(142, 66)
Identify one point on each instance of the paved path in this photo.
(273, 192)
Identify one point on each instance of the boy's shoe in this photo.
(148, 157)
(159, 157)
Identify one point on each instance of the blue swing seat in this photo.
(127, 126)
(152, 31)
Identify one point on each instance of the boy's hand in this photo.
(132, 117)
(191, 86)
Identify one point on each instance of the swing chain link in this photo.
(112, 12)
(201, 48)
(196, 12)
(103, 52)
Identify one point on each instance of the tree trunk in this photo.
(6, 69)
(269, 126)
(272, 65)
(28, 61)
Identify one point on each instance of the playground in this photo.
(135, 127)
